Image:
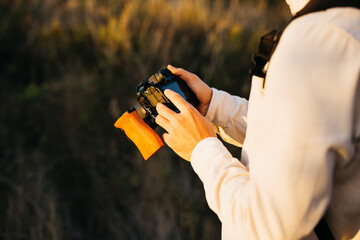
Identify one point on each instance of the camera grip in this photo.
(141, 134)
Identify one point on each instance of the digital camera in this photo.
(138, 123)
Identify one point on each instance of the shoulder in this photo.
(344, 21)
(318, 49)
(315, 69)
(330, 32)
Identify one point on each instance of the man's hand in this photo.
(185, 129)
(202, 91)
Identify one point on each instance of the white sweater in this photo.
(299, 157)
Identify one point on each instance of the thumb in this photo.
(172, 68)
(177, 100)
(182, 73)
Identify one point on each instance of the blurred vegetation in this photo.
(68, 69)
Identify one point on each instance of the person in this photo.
(299, 134)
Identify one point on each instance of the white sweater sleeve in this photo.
(297, 126)
(228, 113)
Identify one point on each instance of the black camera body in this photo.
(138, 123)
(151, 91)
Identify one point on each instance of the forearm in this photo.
(264, 204)
(229, 116)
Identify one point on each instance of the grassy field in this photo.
(68, 69)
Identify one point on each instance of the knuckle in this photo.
(182, 118)
(177, 96)
(188, 107)
(176, 120)
(167, 138)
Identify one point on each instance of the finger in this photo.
(166, 137)
(177, 100)
(165, 112)
(172, 68)
(182, 73)
(162, 122)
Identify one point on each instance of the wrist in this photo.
(204, 107)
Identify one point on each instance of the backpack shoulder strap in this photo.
(269, 41)
(323, 231)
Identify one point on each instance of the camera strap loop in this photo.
(266, 47)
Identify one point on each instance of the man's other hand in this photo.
(202, 91)
(185, 129)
